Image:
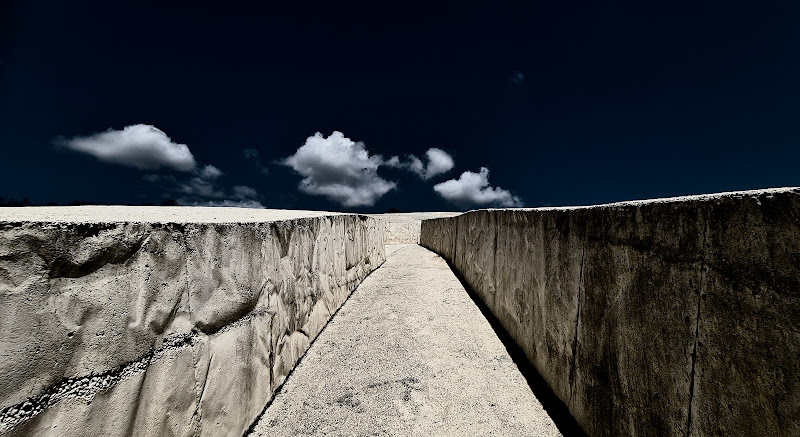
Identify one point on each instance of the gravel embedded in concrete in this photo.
(408, 354)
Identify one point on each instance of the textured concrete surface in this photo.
(409, 354)
(669, 317)
(403, 228)
(164, 321)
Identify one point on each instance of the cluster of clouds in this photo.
(146, 147)
(336, 167)
(203, 189)
(344, 171)
(439, 162)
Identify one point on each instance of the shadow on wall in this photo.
(556, 409)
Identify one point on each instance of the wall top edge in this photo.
(153, 214)
(679, 199)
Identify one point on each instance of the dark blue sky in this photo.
(564, 103)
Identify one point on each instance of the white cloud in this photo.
(474, 189)
(415, 164)
(210, 172)
(340, 169)
(439, 162)
(148, 148)
(141, 146)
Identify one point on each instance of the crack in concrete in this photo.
(272, 347)
(494, 262)
(198, 411)
(697, 329)
(577, 320)
(455, 240)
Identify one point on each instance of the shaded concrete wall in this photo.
(164, 328)
(660, 318)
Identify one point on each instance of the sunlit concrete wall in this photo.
(151, 328)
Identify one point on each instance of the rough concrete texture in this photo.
(409, 354)
(670, 317)
(121, 321)
(403, 228)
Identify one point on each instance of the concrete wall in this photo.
(404, 227)
(165, 328)
(672, 317)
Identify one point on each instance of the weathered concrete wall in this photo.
(404, 227)
(671, 317)
(151, 328)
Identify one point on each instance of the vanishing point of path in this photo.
(409, 354)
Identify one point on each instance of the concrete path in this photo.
(409, 354)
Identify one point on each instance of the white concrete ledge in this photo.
(152, 214)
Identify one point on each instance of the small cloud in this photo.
(243, 192)
(141, 146)
(517, 78)
(199, 187)
(227, 203)
(416, 165)
(439, 162)
(340, 169)
(201, 192)
(252, 155)
(203, 189)
(210, 172)
(241, 196)
(474, 189)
